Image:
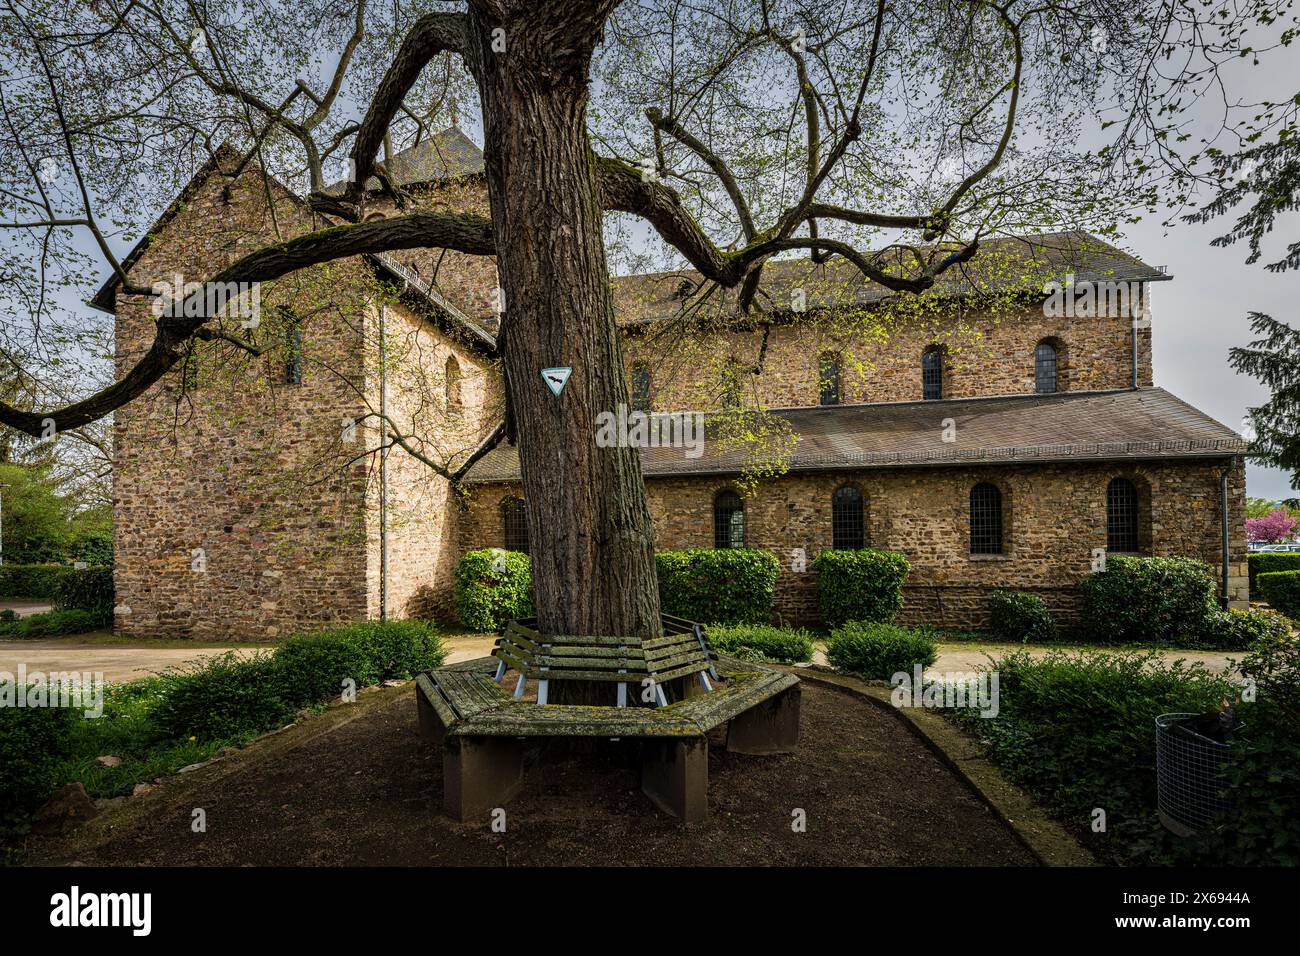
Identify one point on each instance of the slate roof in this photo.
(1126, 425)
(1007, 263)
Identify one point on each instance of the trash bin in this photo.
(1189, 769)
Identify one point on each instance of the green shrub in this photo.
(1258, 564)
(864, 585)
(395, 650)
(223, 696)
(878, 651)
(1149, 601)
(1281, 589)
(727, 585)
(32, 742)
(313, 667)
(1235, 630)
(492, 587)
(1078, 731)
(54, 624)
(1017, 616)
(87, 589)
(773, 643)
(31, 580)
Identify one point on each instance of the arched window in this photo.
(453, 384)
(828, 378)
(293, 347)
(1121, 516)
(641, 387)
(514, 519)
(985, 519)
(932, 374)
(847, 531)
(728, 520)
(1045, 368)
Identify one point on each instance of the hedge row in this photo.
(32, 580)
(86, 589)
(52, 623)
(724, 585)
(1270, 561)
(228, 695)
(761, 641)
(1281, 589)
(1017, 616)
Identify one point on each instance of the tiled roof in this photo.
(448, 154)
(1010, 263)
(1145, 424)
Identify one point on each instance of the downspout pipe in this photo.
(383, 462)
(1223, 512)
(1133, 330)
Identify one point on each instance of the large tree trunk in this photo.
(590, 532)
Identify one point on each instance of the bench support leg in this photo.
(480, 774)
(675, 775)
(770, 727)
(430, 724)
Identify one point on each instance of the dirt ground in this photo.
(368, 792)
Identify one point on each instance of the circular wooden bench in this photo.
(482, 729)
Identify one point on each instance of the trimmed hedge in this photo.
(1281, 589)
(1149, 601)
(864, 585)
(761, 640)
(55, 624)
(31, 580)
(86, 589)
(492, 586)
(1017, 616)
(1271, 561)
(879, 651)
(1235, 630)
(727, 585)
(230, 696)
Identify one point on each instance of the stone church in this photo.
(995, 437)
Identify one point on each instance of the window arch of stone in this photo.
(988, 517)
(848, 518)
(830, 375)
(641, 382)
(1128, 514)
(514, 524)
(1051, 368)
(453, 384)
(933, 373)
(728, 520)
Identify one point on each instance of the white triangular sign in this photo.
(555, 379)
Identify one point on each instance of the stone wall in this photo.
(1054, 515)
(245, 506)
(234, 515)
(983, 355)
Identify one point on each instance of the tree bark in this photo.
(590, 532)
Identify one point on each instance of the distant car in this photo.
(1255, 548)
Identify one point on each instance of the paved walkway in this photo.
(128, 662)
